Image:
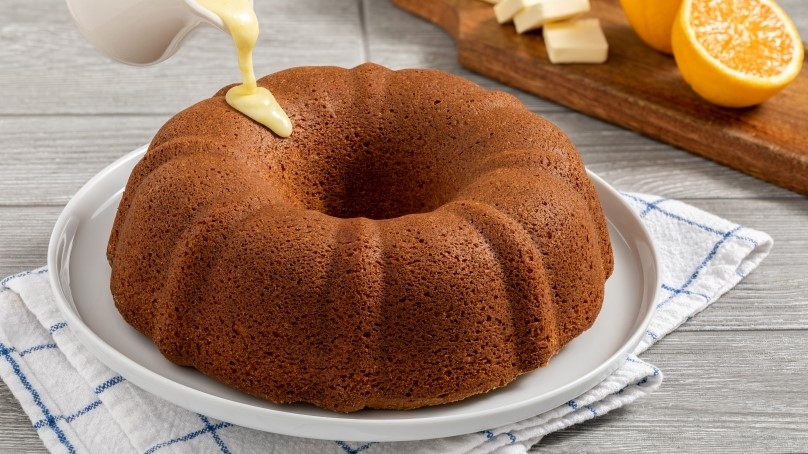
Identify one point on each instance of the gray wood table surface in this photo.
(735, 375)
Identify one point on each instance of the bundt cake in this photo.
(417, 240)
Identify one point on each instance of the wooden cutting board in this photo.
(637, 88)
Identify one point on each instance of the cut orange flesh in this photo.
(736, 53)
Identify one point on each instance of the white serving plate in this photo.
(80, 280)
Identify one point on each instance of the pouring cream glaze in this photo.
(248, 98)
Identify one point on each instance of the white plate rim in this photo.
(342, 427)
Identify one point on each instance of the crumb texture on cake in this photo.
(417, 240)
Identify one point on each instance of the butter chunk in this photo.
(577, 41)
(505, 10)
(542, 12)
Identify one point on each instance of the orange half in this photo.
(736, 53)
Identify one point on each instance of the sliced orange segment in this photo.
(736, 53)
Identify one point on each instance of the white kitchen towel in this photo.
(77, 405)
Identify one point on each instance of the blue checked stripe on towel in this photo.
(77, 405)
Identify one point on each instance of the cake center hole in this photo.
(378, 184)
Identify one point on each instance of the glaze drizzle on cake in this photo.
(253, 101)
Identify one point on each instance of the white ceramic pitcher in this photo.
(139, 32)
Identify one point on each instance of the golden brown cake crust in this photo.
(417, 240)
